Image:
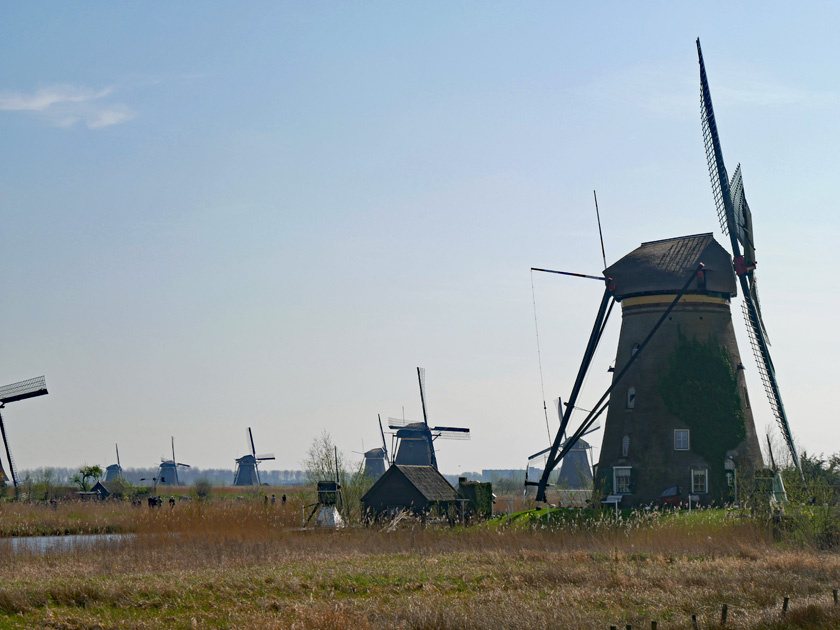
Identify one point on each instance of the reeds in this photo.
(230, 563)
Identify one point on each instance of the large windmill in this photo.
(247, 467)
(678, 412)
(376, 459)
(168, 471)
(114, 471)
(21, 390)
(415, 440)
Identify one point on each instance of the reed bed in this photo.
(229, 564)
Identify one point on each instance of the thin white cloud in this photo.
(67, 105)
(666, 89)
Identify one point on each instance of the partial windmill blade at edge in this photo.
(743, 268)
(264, 457)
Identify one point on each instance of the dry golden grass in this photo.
(241, 564)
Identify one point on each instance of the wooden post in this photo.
(613, 627)
(785, 605)
(724, 613)
(835, 595)
(652, 625)
(694, 622)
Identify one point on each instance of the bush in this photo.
(203, 488)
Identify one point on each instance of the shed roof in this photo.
(431, 484)
(664, 266)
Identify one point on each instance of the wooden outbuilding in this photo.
(418, 489)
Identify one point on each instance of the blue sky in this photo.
(221, 215)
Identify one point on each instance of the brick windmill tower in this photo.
(680, 416)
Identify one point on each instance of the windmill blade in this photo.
(398, 423)
(421, 377)
(384, 445)
(251, 440)
(173, 449)
(592, 429)
(8, 452)
(183, 465)
(743, 268)
(22, 390)
(117, 446)
(451, 433)
(264, 457)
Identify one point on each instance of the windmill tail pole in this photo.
(554, 460)
(591, 346)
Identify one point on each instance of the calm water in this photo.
(60, 544)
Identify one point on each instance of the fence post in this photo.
(785, 605)
(724, 613)
(694, 622)
(835, 595)
(652, 625)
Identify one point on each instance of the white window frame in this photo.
(704, 472)
(616, 477)
(625, 445)
(687, 446)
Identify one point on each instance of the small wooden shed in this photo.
(417, 489)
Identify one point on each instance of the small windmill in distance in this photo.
(114, 471)
(247, 467)
(168, 471)
(376, 459)
(415, 440)
(12, 393)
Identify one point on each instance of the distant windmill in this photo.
(114, 471)
(168, 471)
(575, 470)
(247, 471)
(376, 459)
(415, 440)
(12, 393)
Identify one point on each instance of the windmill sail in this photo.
(736, 221)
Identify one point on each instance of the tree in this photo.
(85, 475)
(323, 460)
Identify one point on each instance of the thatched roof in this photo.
(431, 484)
(664, 266)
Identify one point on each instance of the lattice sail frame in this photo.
(727, 216)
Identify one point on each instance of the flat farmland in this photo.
(244, 564)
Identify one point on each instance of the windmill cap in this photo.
(662, 267)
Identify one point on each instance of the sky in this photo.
(226, 215)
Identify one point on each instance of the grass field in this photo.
(242, 564)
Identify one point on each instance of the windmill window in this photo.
(634, 350)
(621, 479)
(631, 397)
(699, 480)
(681, 440)
(625, 445)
